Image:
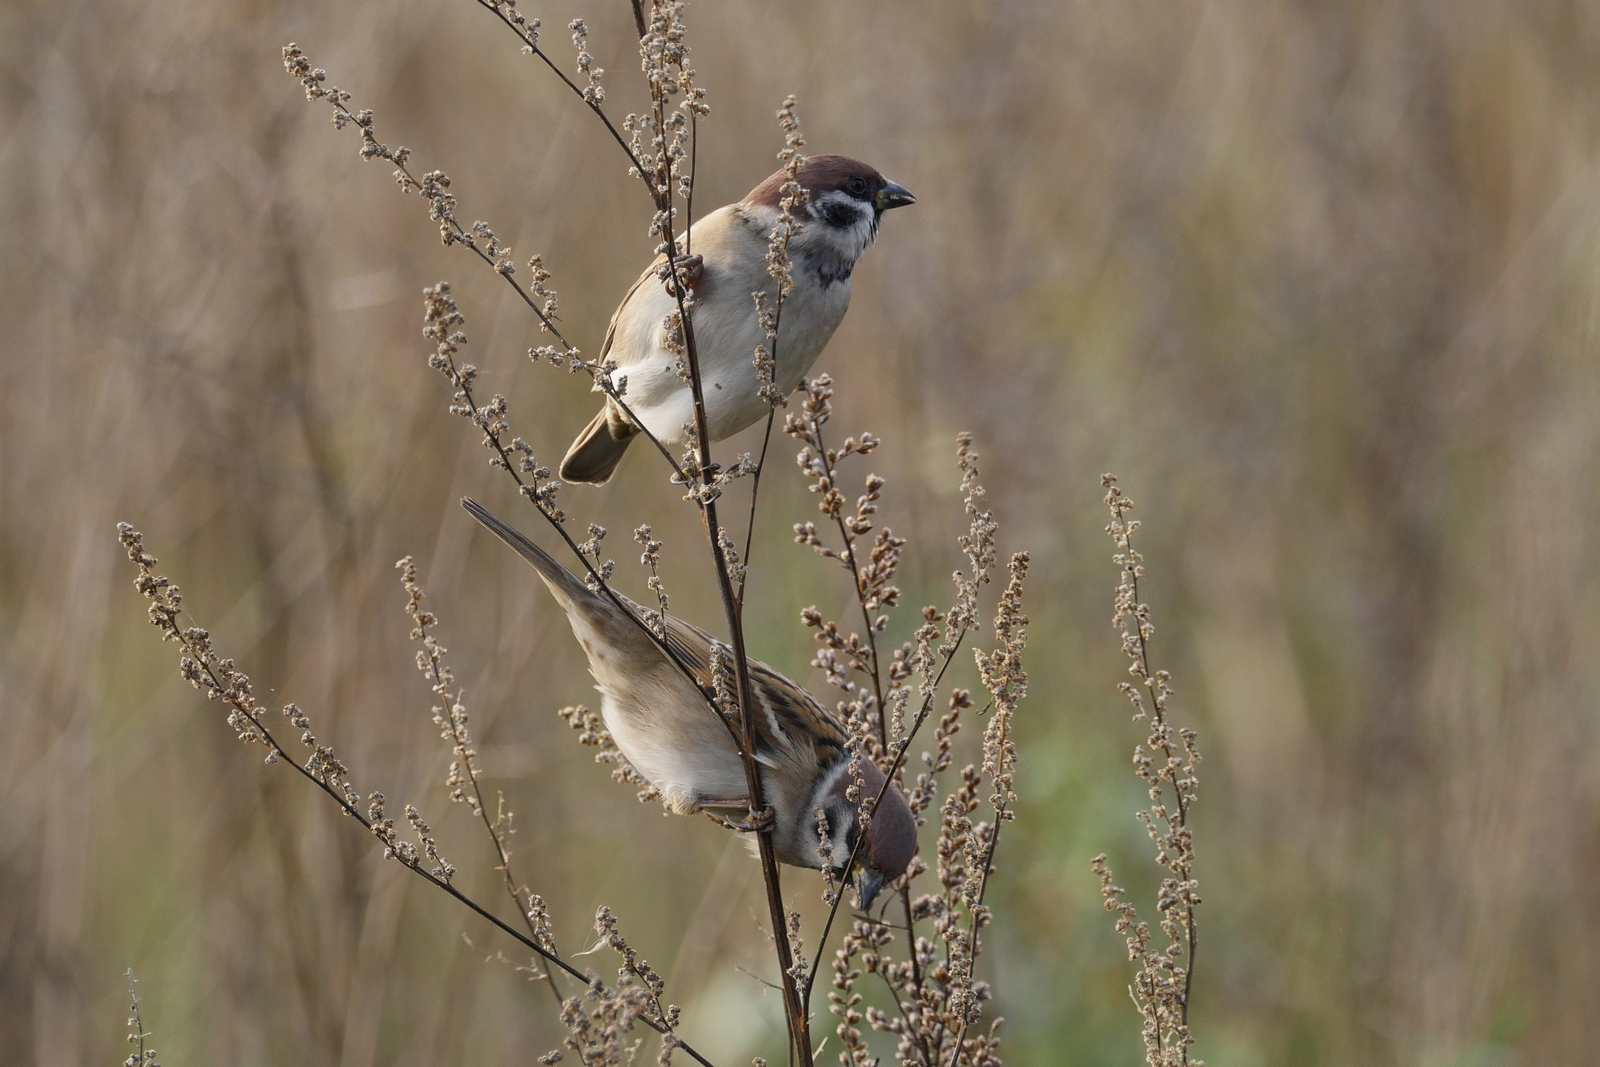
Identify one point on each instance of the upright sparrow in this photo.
(845, 201)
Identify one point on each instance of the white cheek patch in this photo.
(840, 846)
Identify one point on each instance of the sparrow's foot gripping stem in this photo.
(760, 822)
(689, 268)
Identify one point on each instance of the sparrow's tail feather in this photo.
(594, 456)
(562, 582)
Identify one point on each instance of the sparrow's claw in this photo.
(689, 268)
(760, 822)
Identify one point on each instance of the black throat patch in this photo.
(829, 269)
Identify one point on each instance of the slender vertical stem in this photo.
(799, 1030)
(755, 489)
(1159, 714)
(848, 557)
(434, 672)
(659, 181)
(688, 209)
(899, 760)
(798, 1026)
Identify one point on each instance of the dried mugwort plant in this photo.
(1166, 762)
(924, 960)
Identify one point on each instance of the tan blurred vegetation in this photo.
(1318, 279)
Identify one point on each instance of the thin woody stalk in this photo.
(441, 314)
(433, 187)
(653, 49)
(733, 611)
(528, 31)
(847, 556)
(1164, 979)
(220, 679)
(793, 196)
(755, 490)
(451, 717)
(1003, 676)
(141, 1056)
(978, 544)
(899, 761)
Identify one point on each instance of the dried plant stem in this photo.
(442, 314)
(432, 188)
(662, 185)
(452, 719)
(688, 199)
(755, 490)
(733, 610)
(779, 267)
(979, 914)
(141, 1056)
(201, 665)
(1164, 980)
(529, 37)
(899, 761)
(848, 557)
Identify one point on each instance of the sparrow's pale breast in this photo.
(726, 332)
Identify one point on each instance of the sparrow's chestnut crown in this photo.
(829, 173)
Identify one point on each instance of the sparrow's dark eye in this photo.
(856, 186)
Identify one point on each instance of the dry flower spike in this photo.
(1166, 762)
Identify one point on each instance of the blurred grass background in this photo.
(1318, 278)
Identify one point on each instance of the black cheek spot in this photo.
(839, 216)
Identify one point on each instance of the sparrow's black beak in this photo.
(892, 195)
(868, 882)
